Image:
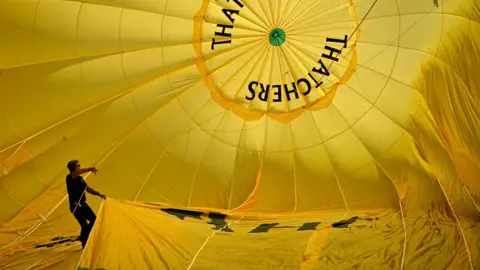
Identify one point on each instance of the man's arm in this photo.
(85, 170)
(94, 192)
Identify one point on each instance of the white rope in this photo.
(208, 239)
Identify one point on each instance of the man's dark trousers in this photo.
(82, 214)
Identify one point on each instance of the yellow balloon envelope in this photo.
(242, 134)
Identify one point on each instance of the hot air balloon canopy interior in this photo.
(242, 134)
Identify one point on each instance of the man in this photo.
(76, 188)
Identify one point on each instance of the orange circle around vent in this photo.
(248, 75)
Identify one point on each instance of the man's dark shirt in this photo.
(76, 189)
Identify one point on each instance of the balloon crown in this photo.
(277, 37)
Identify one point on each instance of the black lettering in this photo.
(344, 40)
(322, 70)
(218, 219)
(237, 2)
(264, 97)
(181, 214)
(344, 223)
(223, 33)
(57, 241)
(316, 82)
(219, 42)
(264, 228)
(309, 86)
(288, 92)
(311, 226)
(251, 90)
(229, 13)
(330, 56)
(277, 93)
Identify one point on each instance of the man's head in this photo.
(73, 165)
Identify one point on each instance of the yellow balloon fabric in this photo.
(245, 134)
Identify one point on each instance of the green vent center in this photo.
(277, 37)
